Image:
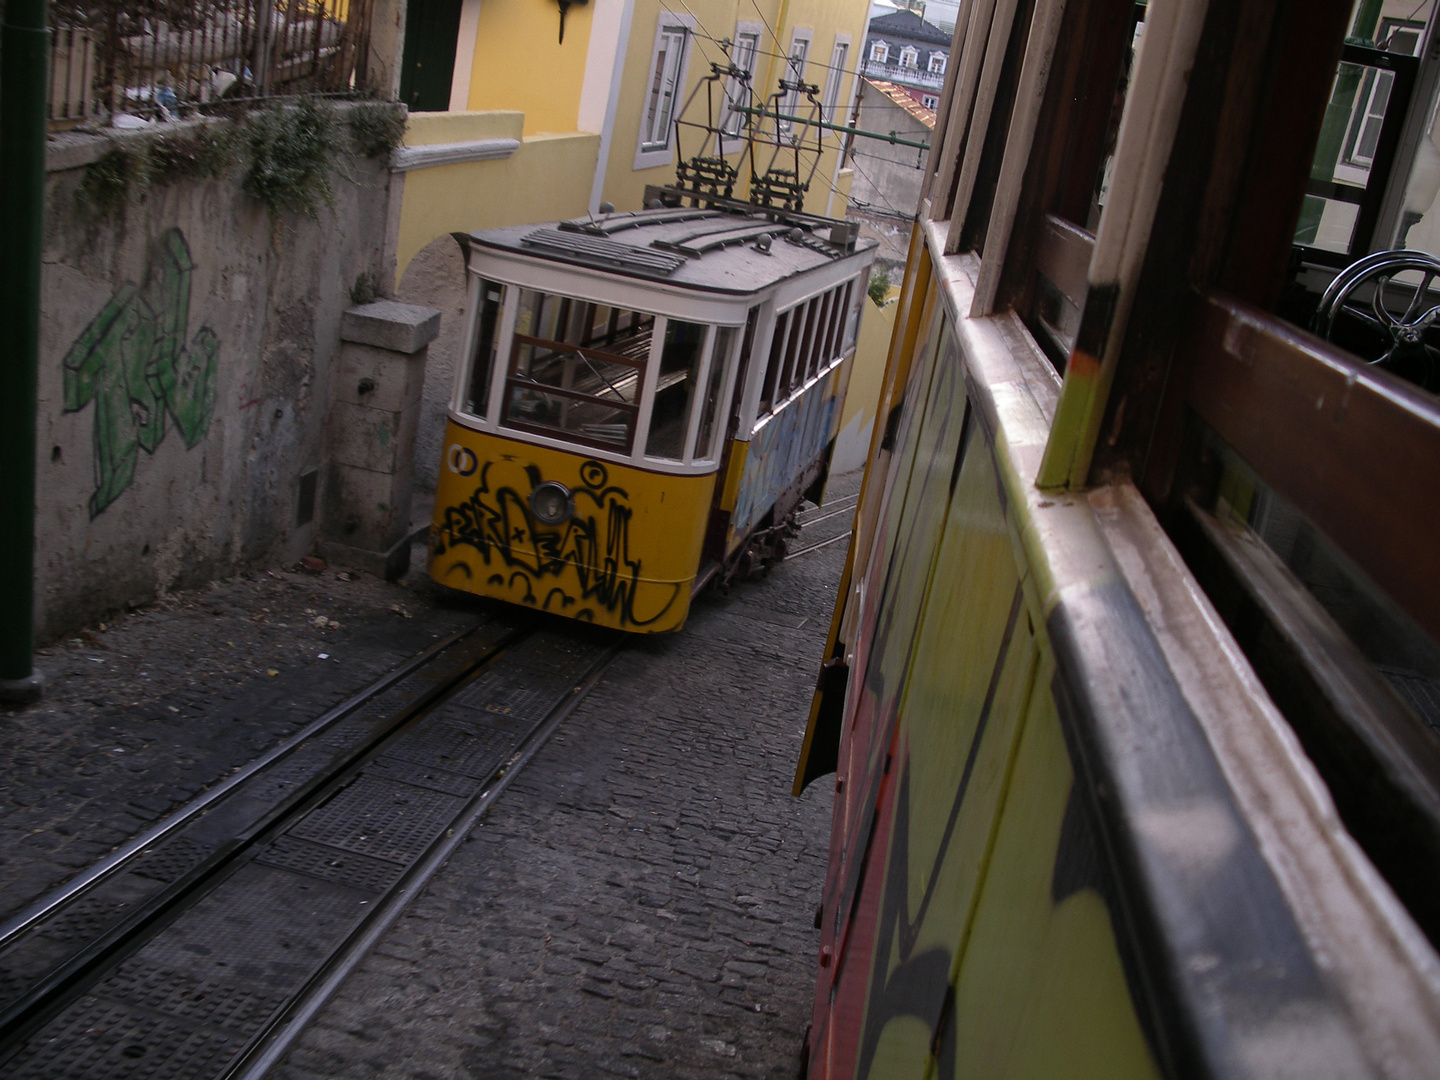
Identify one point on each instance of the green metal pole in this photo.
(24, 87)
(893, 138)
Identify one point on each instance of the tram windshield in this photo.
(596, 375)
(577, 368)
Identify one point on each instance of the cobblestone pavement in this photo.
(148, 709)
(640, 902)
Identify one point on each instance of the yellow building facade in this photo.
(590, 118)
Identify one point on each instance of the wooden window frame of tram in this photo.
(512, 376)
(1202, 349)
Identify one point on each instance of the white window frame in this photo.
(938, 60)
(930, 101)
(733, 142)
(910, 58)
(834, 82)
(879, 52)
(791, 101)
(650, 155)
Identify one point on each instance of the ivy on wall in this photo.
(286, 151)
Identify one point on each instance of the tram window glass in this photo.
(1360, 139)
(705, 449)
(482, 364)
(798, 319)
(852, 316)
(680, 358)
(815, 343)
(802, 351)
(577, 368)
(1402, 652)
(777, 358)
(1112, 129)
(831, 345)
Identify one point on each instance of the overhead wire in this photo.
(701, 31)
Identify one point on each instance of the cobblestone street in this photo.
(638, 903)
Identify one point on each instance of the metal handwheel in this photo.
(1396, 327)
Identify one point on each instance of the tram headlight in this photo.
(551, 504)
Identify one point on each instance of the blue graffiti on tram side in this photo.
(594, 543)
(132, 362)
(781, 449)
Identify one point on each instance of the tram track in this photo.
(808, 519)
(202, 947)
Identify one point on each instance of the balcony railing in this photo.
(166, 59)
(904, 76)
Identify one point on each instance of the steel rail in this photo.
(127, 851)
(272, 1043)
(816, 547)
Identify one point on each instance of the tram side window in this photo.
(577, 368)
(714, 386)
(477, 393)
(851, 308)
(798, 322)
(772, 367)
(675, 389)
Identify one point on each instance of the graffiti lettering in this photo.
(594, 544)
(131, 361)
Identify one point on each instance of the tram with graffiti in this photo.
(648, 396)
(1131, 701)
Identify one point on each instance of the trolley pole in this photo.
(24, 87)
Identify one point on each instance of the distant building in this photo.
(941, 13)
(885, 191)
(904, 49)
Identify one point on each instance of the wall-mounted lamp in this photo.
(564, 7)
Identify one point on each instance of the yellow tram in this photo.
(646, 399)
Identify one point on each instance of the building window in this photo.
(664, 86)
(739, 94)
(930, 101)
(794, 74)
(909, 57)
(937, 63)
(880, 53)
(833, 79)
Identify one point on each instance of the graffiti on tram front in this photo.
(565, 568)
(133, 363)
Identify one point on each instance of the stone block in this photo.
(389, 324)
(378, 378)
(366, 438)
(366, 509)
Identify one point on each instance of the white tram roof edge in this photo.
(721, 250)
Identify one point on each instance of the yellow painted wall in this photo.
(624, 184)
(547, 178)
(857, 419)
(521, 65)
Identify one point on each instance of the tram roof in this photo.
(730, 250)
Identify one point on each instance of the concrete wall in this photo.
(184, 382)
(436, 278)
(886, 189)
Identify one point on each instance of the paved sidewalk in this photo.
(640, 902)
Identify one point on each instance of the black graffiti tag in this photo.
(595, 542)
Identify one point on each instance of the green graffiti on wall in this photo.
(131, 361)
